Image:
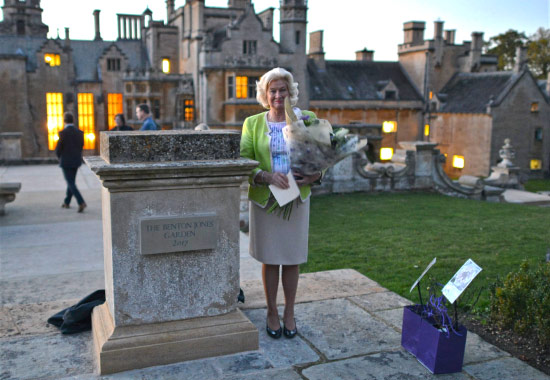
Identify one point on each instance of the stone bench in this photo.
(7, 194)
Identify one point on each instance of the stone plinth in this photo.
(171, 246)
(10, 146)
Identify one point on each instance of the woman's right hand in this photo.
(276, 179)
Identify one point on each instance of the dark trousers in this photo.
(70, 177)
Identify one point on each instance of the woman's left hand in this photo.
(306, 179)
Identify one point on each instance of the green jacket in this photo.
(255, 146)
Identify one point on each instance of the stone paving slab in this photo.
(525, 197)
(507, 368)
(46, 356)
(31, 319)
(340, 329)
(381, 301)
(394, 365)
(314, 287)
(281, 352)
(50, 288)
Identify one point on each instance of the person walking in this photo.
(120, 124)
(69, 151)
(275, 242)
(143, 114)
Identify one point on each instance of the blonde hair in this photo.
(270, 76)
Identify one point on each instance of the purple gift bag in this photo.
(438, 351)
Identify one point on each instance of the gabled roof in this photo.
(85, 54)
(358, 80)
(25, 46)
(472, 92)
(542, 85)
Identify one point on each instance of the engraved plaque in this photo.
(188, 233)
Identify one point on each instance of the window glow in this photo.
(427, 130)
(386, 153)
(86, 120)
(389, 126)
(114, 106)
(54, 116)
(536, 164)
(166, 66)
(52, 59)
(242, 87)
(534, 107)
(458, 162)
(189, 110)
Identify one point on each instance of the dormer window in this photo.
(52, 59)
(113, 64)
(249, 47)
(535, 107)
(390, 95)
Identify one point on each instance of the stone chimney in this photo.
(438, 30)
(170, 8)
(316, 51)
(521, 59)
(450, 36)
(414, 32)
(364, 55)
(238, 3)
(67, 38)
(474, 55)
(96, 23)
(267, 18)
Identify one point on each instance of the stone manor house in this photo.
(201, 64)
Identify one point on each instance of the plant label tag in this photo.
(461, 280)
(423, 273)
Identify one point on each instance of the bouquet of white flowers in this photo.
(312, 145)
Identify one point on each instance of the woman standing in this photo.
(274, 241)
(120, 124)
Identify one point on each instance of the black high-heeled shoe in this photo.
(290, 333)
(275, 334)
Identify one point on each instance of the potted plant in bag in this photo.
(429, 333)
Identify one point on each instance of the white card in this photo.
(284, 196)
(460, 281)
(423, 273)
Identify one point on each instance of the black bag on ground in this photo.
(78, 318)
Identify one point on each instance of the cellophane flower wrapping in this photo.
(315, 147)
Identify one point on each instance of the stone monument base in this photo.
(138, 346)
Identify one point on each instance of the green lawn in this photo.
(391, 238)
(535, 185)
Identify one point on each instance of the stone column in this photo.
(171, 248)
(424, 166)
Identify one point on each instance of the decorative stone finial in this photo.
(507, 153)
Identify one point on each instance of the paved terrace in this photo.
(349, 326)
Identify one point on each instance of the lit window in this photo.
(54, 115)
(86, 118)
(114, 106)
(536, 164)
(166, 65)
(427, 130)
(386, 154)
(534, 107)
(431, 95)
(458, 162)
(52, 59)
(242, 87)
(389, 126)
(189, 109)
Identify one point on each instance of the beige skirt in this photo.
(278, 241)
